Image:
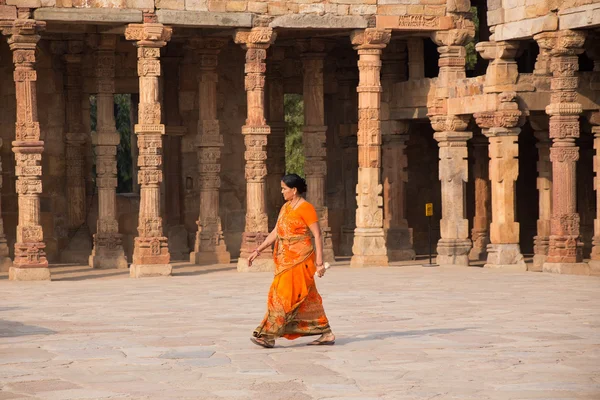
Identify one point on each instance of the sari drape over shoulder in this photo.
(294, 306)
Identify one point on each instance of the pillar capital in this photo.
(149, 35)
(562, 43)
(450, 123)
(506, 50)
(370, 39)
(255, 38)
(454, 37)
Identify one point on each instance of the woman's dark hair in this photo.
(295, 181)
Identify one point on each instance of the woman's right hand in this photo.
(252, 257)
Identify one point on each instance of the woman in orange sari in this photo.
(294, 306)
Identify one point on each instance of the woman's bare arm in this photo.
(269, 240)
(316, 231)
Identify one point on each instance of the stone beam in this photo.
(204, 18)
(414, 22)
(314, 21)
(95, 15)
(579, 17)
(525, 29)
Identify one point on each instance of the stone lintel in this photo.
(319, 21)
(526, 28)
(414, 22)
(538, 101)
(579, 17)
(95, 15)
(8, 12)
(473, 104)
(408, 113)
(204, 18)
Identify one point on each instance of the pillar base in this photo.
(266, 264)
(105, 262)
(399, 244)
(480, 244)
(594, 267)
(79, 248)
(210, 257)
(401, 255)
(538, 262)
(567, 268)
(505, 256)
(150, 270)
(5, 264)
(29, 274)
(453, 252)
(359, 261)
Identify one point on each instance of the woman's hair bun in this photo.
(295, 181)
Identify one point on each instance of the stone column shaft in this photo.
(544, 187)
(276, 144)
(314, 135)
(565, 252)
(30, 261)
(480, 234)
(255, 131)
(369, 247)
(151, 255)
(209, 247)
(5, 261)
(108, 250)
(416, 58)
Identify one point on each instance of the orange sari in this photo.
(294, 306)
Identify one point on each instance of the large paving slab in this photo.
(403, 333)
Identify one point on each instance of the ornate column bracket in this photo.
(151, 255)
(369, 247)
(256, 42)
(314, 134)
(501, 127)
(209, 247)
(480, 233)
(539, 123)
(108, 249)
(502, 72)
(30, 261)
(565, 251)
(80, 245)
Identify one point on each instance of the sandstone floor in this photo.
(404, 332)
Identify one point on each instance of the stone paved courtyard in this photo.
(403, 333)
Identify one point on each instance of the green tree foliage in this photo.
(122, 112)
(471, 58)
(294, 118)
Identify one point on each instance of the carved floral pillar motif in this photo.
(394, 160)
(276, 143)
(255, 131)
(313, 52)
(30, 261)
(151, 252)
(369, 247)
(541, 241)
(80, 246)
(454, 245)
(347, 77)
(209, 247)
(108, 249)
(480, 234)
(501, 129)
(565, 251)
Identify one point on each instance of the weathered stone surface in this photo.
(199, 18)
(567, 268)
(525, 29)
(29, 274)
(586, 16)
(98, 15)
(149, 271)
(505, 256)
(327, 21)
(8, 12)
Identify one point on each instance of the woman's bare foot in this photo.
(324, 340)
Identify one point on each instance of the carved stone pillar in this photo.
(209, 247)
(30, 261)
(313, 53)
(500, 128)
(347, 77)
(565, 252)
(369, 247)
(394, 136)
(416, 58)
(5, 261)
(255, 131)
(80, 244)
(454, 245)
(176, 232)
(480, 234)
(151, 252)
(108, 249)
(276, 144)
(541, 241)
